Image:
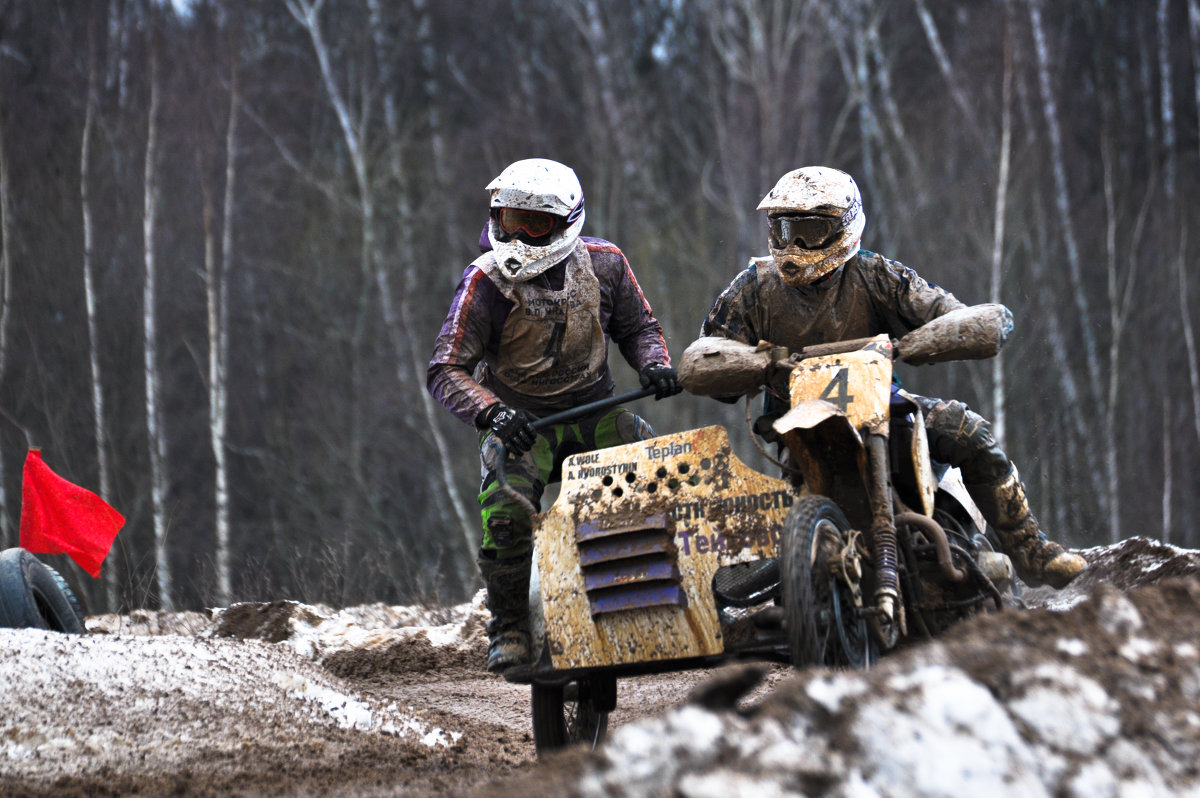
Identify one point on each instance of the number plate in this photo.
(858, 383)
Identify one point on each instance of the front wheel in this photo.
(575, 712)
(823, 621)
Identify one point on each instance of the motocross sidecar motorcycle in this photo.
(673, 554)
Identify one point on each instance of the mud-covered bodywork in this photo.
(671, 553)
(627, 553)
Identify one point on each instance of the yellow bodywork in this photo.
(857, 383)
(711, 509)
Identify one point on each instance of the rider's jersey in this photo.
(869, 295)
(541, 345)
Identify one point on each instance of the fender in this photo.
(825, 445)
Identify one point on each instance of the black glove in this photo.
(513, 427)
(664, 380)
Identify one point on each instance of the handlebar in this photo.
(557, 418)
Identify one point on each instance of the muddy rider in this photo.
(526, 336)
(819, 286)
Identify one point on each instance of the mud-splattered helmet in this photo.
(536, 214)
(815, 222)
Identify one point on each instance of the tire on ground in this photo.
(35, 596)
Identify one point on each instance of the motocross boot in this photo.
(507, 583)
(1037, 559)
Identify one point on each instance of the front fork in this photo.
(887, 618)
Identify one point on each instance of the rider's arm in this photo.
(625, 313)
(462, 343)
(734, 314)
(910, 299)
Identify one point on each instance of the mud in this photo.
(1132, 611)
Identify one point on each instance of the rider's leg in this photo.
(963, 438)
(505, 556)
(620, 426)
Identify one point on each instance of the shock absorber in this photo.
(884, 550)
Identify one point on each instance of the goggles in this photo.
(806, 232)
(534, 224)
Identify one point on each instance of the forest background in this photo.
(231, 230)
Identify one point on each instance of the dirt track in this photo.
(72, 728)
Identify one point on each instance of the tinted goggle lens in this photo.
(806, 232)
(534, 224)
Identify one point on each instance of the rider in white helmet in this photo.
(818, 286)
(526, 336)
(815, 222)
(536, 216)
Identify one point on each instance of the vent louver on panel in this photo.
(629, 567)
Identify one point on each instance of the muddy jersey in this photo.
(541, 345)
(867, 296)
(551, 342)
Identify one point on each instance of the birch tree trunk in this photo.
(156, 436)
(217, 276)
(112, 577)
(999, 409)
(1110, 409)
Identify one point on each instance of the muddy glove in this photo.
(513, 427)
(664, 380)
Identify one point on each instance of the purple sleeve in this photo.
(460, 346)
(630, 323)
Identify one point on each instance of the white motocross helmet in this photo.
(815, 222)
(535, 216)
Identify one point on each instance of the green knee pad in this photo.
(507, 528)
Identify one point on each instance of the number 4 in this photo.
(838, 390)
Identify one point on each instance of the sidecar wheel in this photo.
(576, 712)
(823, 625)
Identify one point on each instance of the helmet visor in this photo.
(534, 224)
(808, 231)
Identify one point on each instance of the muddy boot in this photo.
(507, 583)
(1037, 559)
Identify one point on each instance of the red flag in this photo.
(58, 517)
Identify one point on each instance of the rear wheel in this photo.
(35, 596)
(824, 625)
(571, 713)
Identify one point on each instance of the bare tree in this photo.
(216, 281)
(1062, 203)
(154, 417)
(354, 131)
(113, 578)
(999, 410)
(1062, 198)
